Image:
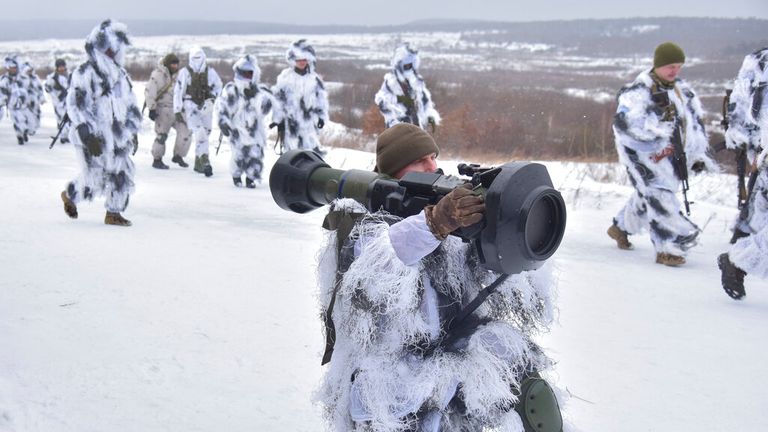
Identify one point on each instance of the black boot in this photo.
(158, 163)
(237, 181)
(249, 183)
(64, 140)
(20, 140)
(737, 234)
(26, 137)
(177, 159)
(732, 277)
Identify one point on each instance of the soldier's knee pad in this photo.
(161, 138)
(538, 407)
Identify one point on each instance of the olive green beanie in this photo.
(170, 59)
(400, 145)
(668, 53)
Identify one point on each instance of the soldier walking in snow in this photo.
(56, 85)
(105, 121)
(654, 112)
(302, 99)
(403, 97)
(397, 285)
(242, 107)
(748, 116)
(14, 96)
(158, 96)
(194, 92)
(36, 97)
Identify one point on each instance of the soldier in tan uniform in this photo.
(159, 99)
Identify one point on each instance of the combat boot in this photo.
(178, 159)
(114, 218)
(669, 259)
(69, 207)
(731, 277)
(237, 181)
(20, 140)
(737, 234)
(158, 163)
(26, 136)
(249, 183)
(621, 237)
(206, 165)
(198, 166)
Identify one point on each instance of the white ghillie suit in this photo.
(394, 368)
(403, 97)
(641, 136)
(196, 88)
(103, 110)
(242, 107)
(57, 85)
(14, 96)
(746, 105)
(302, 98)
(36, 97)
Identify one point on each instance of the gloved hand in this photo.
(320, 123)
(225, 129)
(180, 118)
(92, 142)
(432, 124)
(698, 167)
(280, 128)
(135, 144)
(460, 208)
(249, 92)
(153, 114)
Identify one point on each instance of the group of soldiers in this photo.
(21, 93)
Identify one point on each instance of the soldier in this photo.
(242, 106)
(196, 87)
(14, 95)
(36, 97)
(303, 100)
(56, 85)
(654, 111)
(748, 130)
(403, 97)
(158, 95)
(105, 121)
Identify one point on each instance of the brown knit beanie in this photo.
(666, 54)
(400, 145)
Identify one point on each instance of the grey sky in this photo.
(321, 12)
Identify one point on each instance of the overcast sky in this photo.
(322, 12)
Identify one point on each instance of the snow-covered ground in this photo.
(203, 315)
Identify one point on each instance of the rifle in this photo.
(221, 138)
(679, 159)
(63, 123)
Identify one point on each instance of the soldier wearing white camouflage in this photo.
(645, 130)
(56, 85)
(242, 107)
(14, 96)
(158, 95)
(195, 89)
(36, 97)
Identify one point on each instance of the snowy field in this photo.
(203, 315)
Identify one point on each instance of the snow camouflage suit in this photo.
(641, 135)
(398, 289)
(746, 106)
(15, 97)
(101, 104)
(161, 80)
(402, 88)
(197, 113)
(56, 86)
(36, 97)
(241, 107)
(302, 98)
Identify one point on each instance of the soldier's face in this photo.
(669, 72)
(173, 67)
(301, 64)
(61, 70)
(427, 164)
(13, 70)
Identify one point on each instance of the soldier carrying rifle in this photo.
(660, 136)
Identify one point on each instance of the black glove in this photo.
(91, 141)
(249, 92)
(135, 144)
(698, 167)
(152, 114)
(225, 129)
(320, 123)
(180, 118)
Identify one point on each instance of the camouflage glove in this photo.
(153, 114)
(135, 144)
(698, 167)
(460, 208)
(180, 118)
(432, 124)
(320, 123)
(90, 141)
